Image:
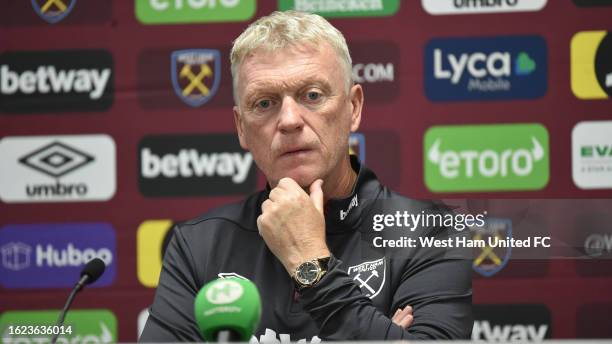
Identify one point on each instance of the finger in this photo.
(396, 317)
(265, 206)
(259, 223)
(287, 183)
(316, 194)
(275, 194)
(406, 321)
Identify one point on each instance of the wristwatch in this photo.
(309, 273)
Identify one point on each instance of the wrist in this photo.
(294, 262)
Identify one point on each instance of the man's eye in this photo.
(264, 104)
(313, 95)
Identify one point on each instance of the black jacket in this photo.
(353, 301)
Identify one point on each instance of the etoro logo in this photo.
(438, 7)
(50, 255)
(98, 326)
(511, 323)
(153, 237)
(193, 11)
(492, 68)
(486, 158)
(193, 165)
(53, 11)
(342, 8)
(591, 59)
(592, 155)
(56, 81)
(57, 168)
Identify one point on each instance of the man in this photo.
(306, 240)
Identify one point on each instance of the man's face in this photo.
(294, 113)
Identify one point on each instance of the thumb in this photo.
(316, 194)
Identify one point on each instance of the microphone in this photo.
(228, 310)
(90, 273)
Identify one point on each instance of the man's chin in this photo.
(302, 178)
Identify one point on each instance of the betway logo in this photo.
(484, 331)
(354, 203)
(487, 163)
(47, 79)
(597, 244)
(189, 163)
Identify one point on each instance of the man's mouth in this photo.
(296, 152)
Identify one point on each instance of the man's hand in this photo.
(403, 317)
(292, 223)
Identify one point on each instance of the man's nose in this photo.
(290, 116)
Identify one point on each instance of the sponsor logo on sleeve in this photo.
(193, 11)
(57, 168)
(343, 8)
(486, 158)
(86, 326)
(376, 67)
(195, 165)
(592, 155)
(511, 323)
(152, 240)
(56, 81)
(437, 7)
(493, 68)
(51, 255)
(591, 60)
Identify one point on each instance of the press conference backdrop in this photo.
(116, 123)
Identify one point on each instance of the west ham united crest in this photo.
(490, 260)
(196, 74)
(53, 11)
(369, 276)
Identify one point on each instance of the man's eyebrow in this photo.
(271, 86)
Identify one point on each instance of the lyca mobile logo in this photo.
(342, 8)
(53, 11)
(591, 59)
(193, 165)
(52, 255)
(486, 157)
(53, 81)
(193, 11)
(592, 155)
(506, 67)
(196, 74)
(57, 168)
(94, 326)
(479, 6)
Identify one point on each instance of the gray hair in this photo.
(282, 29)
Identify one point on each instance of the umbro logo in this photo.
(57, 168)
(56, 159)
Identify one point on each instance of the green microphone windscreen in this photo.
(231, 304)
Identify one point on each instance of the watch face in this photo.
(308, 272)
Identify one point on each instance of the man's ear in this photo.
(238, 123)
(356, 98)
